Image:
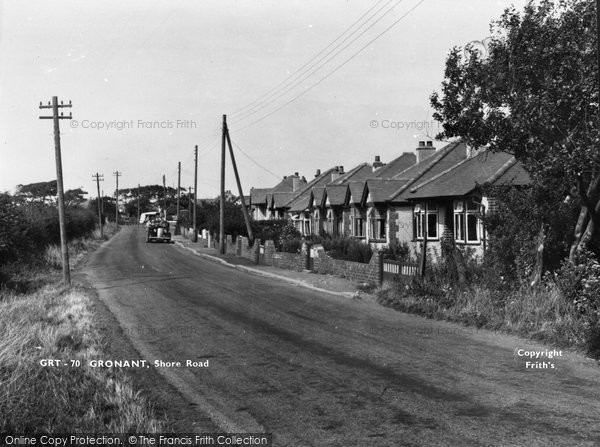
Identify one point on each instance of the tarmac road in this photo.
(317, 369)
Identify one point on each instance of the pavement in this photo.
(318, 282)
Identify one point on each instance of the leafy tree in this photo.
(38, 192)
(535, 96)
(74, 197)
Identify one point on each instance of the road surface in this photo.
(318, 369)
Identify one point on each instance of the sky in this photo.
(305, 85)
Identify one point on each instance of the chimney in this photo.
(424, 151)
(337, 172)
(318, 173)
(377, 163)
(295, 182)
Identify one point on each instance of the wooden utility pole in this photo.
(195, 236)
(138, 203)
(222, 201)
(99, 178)
(59, 182)
(165, 195)
(117, 174)
(178, 191)
(239, 185)
(423, 260)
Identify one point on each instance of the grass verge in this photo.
(52, 322)
(537, 313)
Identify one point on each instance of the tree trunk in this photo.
(538, 268)
(590, 231)
(586, 225)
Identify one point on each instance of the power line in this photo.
(251, 104)
(254, 161)
(334, 70)
(320, 66)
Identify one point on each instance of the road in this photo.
(316, 369)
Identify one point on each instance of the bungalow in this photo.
(450, 205)
(266, 202)
(300, 207)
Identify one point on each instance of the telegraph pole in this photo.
(99, 178)
(195, 237)
(222, 201)
(178, 192)
(138, 203)
(59, 182)
(117, 174)
(165, 195)
(239, 185)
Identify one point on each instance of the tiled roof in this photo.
(336, 194)
(318, 193)
(486, 167)
(360, 172)
(281, 198)
(258, 196)
(356, 191)
(442, 160)
(300, 204)
(394, 167)
(305, 191)
(381, 189)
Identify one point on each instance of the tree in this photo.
(535, 96)
(74, 197)
(38, 192)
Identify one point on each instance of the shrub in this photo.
(347, 249)
(397, 251)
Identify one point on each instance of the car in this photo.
(158, 230)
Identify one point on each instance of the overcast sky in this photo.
(164, 72)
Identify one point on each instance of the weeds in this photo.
(52, 324)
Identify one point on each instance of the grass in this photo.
(78, 248)
(51, 322)
(538, 313)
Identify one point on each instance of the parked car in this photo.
(158, 230)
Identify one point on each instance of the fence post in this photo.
(256, 251)
(380, 266)
(306, 251)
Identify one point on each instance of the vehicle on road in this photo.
(158, 231)
(147, 216)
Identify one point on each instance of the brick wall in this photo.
(352, 270)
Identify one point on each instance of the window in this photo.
(426, 214)
(306, 227)
(359, 224)
(378, 228)
(467, 226)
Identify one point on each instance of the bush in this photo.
(397, 251)
(579, 283)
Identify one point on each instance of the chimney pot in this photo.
(296, 174)
(425, 151)
(341, 169)
(377, 158)
(318, 173)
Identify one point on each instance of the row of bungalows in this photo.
(435, 194)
